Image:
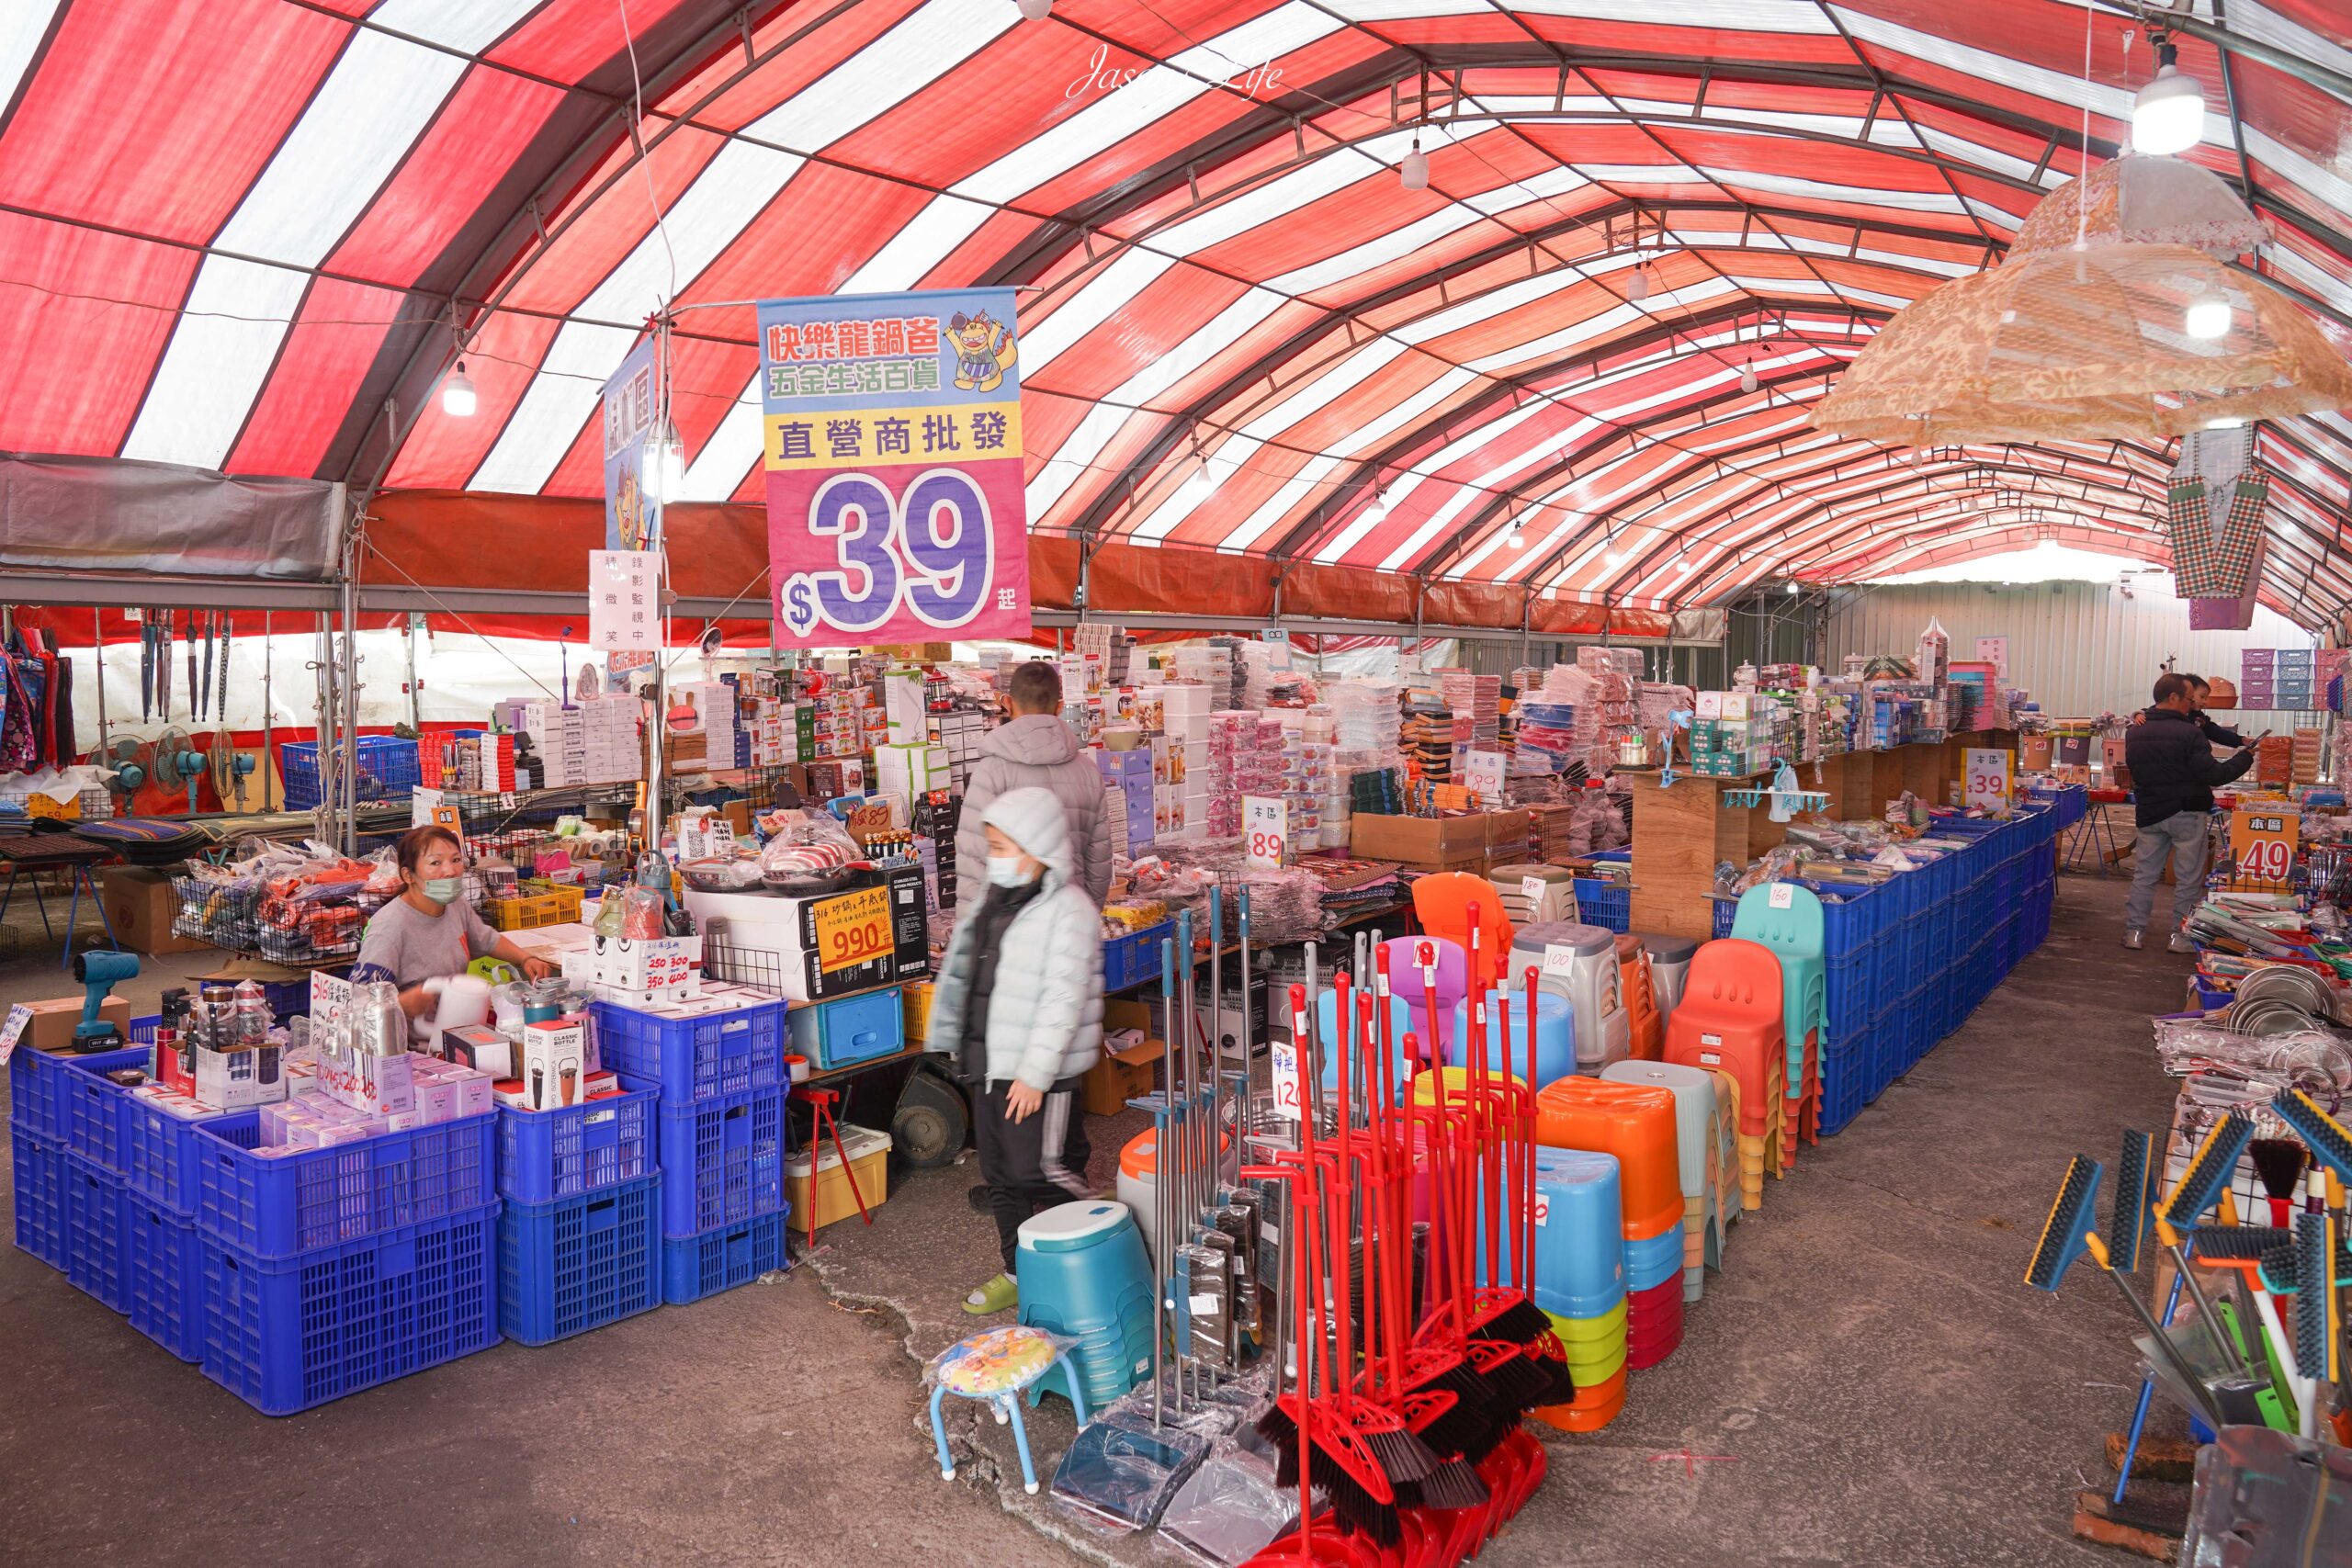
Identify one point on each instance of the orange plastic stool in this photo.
(1633, 1121)
(1641, 1002)
(1590, 1410)
(1442, 903)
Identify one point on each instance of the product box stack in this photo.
(592, 742)
(909, 773)
(2309, 748)
(2296, 667)
(2257, 679)
(2274, 761)
(1186, 714)
(1728, 739)
(936, 817)
(1475, 703)
(1234, 768)
(1610, 705)
(1131, 797)
(482, 763)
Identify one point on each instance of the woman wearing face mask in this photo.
(430, 931)
(1019, 1001)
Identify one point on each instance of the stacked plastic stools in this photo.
(1647, 1029)
(1580, 1279)
(1400, 1023)
(1728, 1204)
(1669, 968)
(1082, 1275)
(1555, 1035)
(1637, 1124)
(1442, 903)
(1696, 1131)
(1729, 1021)
(1405, 980)
(1787, 918)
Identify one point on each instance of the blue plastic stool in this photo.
(1579, 1233)
(1555, 1035)
(994, 1367)
(1083, 1276)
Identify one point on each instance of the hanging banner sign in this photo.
(894, 475)
(623, 601)
(632, 515)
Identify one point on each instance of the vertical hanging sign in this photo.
(623, 601)
(632, 514)
(894, 471)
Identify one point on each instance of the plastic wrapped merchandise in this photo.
(2260, 1501)
(1231, 1509)
(1122, 1471)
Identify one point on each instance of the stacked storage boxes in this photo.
(579, 1239)
(2295, 667)
(1132, 799)
(720, 1135)
(2257, 678)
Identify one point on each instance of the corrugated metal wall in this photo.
(2079, 648)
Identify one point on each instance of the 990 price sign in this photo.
(852, 929)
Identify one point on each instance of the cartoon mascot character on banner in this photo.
(984, 351)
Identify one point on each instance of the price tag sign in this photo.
(422, 802)
(446, 817)
(852, 929)
(1783, 897)
(2262, 842)
(1533, 888)
(1285, 1058)
(1482, 771)
(1265, 831)
(1543, 1209)
(1990, 778)
(13, 1030)
(1559, 959)
(330, 1006)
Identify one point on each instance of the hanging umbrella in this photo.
(2086, 343)
(2162, 201)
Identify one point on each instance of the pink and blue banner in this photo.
(894, 470)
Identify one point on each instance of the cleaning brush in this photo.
(2329, 1143)
(2067, 1232)
(2315, 1308)
(2126, 1220)
(2217, 1159)
(2278, 1166)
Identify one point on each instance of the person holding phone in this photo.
(2174, 775)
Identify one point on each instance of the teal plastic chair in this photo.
(1787, 918)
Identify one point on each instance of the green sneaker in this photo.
(997, 1295)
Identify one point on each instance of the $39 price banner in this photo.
(892, 430)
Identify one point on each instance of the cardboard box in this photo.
(869, 1163)
(140, 908)
(1121, 1075)
(53, 1022)
(228, 1080)
(1424, 843)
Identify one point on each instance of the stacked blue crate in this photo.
(579, 1232)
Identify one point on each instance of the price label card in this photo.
(1783, 897)
(330, 1006)
(13, 1030)
(1989, 779)
(1559, 960)
(1482, 771)
(1543, 1209)
(1265, 830)
(2262, 841)
(1285, 1058)
(852, 929)
(1533, 888)
(421, 804)
(446, 817)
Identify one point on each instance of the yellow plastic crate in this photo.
(544, 904)
(914, 998)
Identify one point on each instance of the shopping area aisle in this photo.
(1868, 1382)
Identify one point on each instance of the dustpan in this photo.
(1230, 1510)
(1125, 1472)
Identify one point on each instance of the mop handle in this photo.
(1249, 1117)
(1343, 1195)
(1527, 1143)
(1216, 1034)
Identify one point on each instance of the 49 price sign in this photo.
(2262, 844)
(894, 467)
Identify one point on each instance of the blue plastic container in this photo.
(1084, 1275)
(573, 1149)
(1579, 1233)
(37, 1081)
(1601, 902)
(1555, 1035)
(1913, 1016)
(693, 1058)
(163, 1264)
(1653, 1260)
(849, 1030)
(1849, 995)
(694, 1267)
(387, 759)
(722, 1161)
(1726, 910)
(579, 1263)
(277, 1207)
(1852, 918)
(286, 1334)
(1400, 1023)
(160, 1153)
(92, 1229)
(89, 1113)
(39, 1176)
(1849, 1080)
(1132, 959)
(1886, 1051)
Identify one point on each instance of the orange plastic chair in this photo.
(1442, 903)
(1633, 1121)
(1730, 1020)
(1648, 1030)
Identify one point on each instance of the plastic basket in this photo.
(89, 1117)
(544, 1155)
(387, 759)
(162, 1266)
(694, 1267)
(1601, 902)
(1911, 1018)
(1849, 1080)
(1851, 995)
(39, 1174)
(1726, 910)
(579, 1263)
(693, 1058)
(273, 1207)
(1132, 959)
(722, 1161)
(285, 1335)
(38, 1082)
(160, 1153)
(93, 1204)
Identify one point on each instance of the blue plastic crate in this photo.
(693, 1058)
(160, 1153)
(277, 1207)
(1726, 910)
(162, 1266)
(1911, 1017)
(1134, 959)
(546, 1155)
(694, 1267)
(1852, 918)
(90, 1115)
(37, 1081)
(1601, 902)
(1886, 1051)
(388, 760)
(842, 1031)
(1849, 1071)
(1849, 995)
(39, 1175)
(579, 1263)
(722, 1161)
(286, 1334)
(92, 1229)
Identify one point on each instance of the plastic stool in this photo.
(1669, 967)
(1082, 1275)
(1647, 1029)
(1633, 1121)
(1702, 1158)
(1400, 1023)
(994, 1367)
(1579, 1234)
(1592, 1408)
(1555, 1035)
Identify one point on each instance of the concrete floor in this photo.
(1868, 1382)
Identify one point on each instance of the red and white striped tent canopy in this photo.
(252, 236)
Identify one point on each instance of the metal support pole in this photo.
(349, 593)
(415, 625)
(98, 644)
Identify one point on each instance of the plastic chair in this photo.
(1405, 980)
(1635, 985)
(995, 1367)
(1442, 903)
(1633, 1122)
(1730, 1020)
(1788, 919)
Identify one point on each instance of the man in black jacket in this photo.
(2173, 775)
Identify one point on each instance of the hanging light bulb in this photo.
(1747, 378)
(1515, 539)
(667, 476)
(1202, 484)
(1379, 507)
(1637, 288)
(2169, 114)
(2225, 422)
(2207, 318)
(1614, 557)
(1793, 588)
(1413, 170)
(1035, 10)
(458, 393)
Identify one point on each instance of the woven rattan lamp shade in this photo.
(2086, 343)
(2162, 201)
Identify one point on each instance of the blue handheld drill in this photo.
(99, 972)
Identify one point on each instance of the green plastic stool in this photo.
(1787, 918)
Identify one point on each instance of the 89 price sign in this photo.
(1265, 831)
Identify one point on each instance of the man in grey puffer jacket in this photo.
(1036, 748)
(1019, 1001)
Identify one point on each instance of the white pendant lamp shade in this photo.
(458, 393)
(1637, 288)
(1413, 170)
(1035, 10)
(1747, 378)
(2169, 114)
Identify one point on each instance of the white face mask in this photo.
(1005, 871)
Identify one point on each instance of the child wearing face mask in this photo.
(1019, 1002)
(430, 931)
